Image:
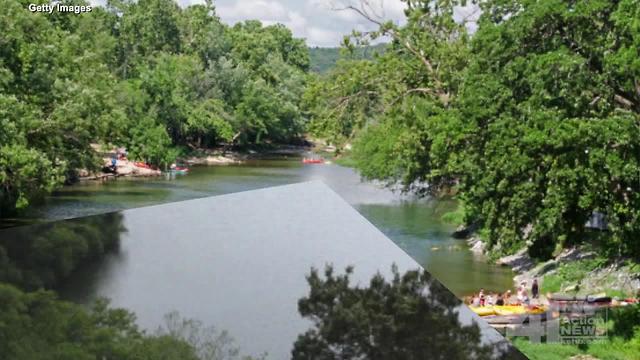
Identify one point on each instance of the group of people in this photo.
(506, 298)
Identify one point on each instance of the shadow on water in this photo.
(44, 255)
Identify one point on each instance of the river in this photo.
(414, 224)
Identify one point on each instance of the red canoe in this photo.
(312, 161)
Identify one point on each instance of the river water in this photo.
(414, 224)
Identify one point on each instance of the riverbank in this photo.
(123, 168)
(198, 157)
(578, 270)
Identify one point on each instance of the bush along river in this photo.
(414, 224)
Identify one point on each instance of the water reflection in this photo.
(44, 255)
(238, 262)
(414, 224)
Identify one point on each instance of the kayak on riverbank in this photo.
(506, 310)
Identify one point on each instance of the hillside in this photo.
(324, 59)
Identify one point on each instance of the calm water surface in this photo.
(413, 224)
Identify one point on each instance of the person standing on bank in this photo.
(534, 289)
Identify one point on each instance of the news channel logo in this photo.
(567, 324)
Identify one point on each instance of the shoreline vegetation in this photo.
(576, 270)
(532, 120)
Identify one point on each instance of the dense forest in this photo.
(533, 120)
(147, 75)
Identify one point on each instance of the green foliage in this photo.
(25, 174)
(253, 43)
(209, 122)
(344, 101)
(207, 342)
(626, 322)
(545, 351)
(569, 274)
(392, 319)
(37, 325)
(535, 119)
(566, 142)
(455, 217)
(147, 75)
(50, 109)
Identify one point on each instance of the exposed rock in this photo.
(575, 253)
(123, 168)
(99, 176)
(128, 168)
(214, 160)
(616, 276)
(518, 262)
(476, 245)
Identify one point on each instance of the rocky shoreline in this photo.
(127, 168)
(124, 168)
(614, 276)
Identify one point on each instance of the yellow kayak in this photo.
(517, 310)
(504, 310)
(483, 310)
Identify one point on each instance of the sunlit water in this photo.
(414, 224)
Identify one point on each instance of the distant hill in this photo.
(324, 59)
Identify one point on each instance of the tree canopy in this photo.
(147, 75)
(534, 119)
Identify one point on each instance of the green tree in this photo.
(39, 326)
(202, 33)
(556, 122)
(535, 121)
(208, 123)
(147, 75)
(406, 317)
(252, 43)
(145, 28)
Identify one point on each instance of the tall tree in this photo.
(409, 316)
